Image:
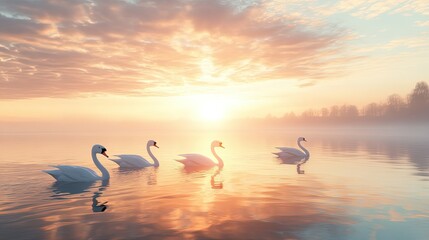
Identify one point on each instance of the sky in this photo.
(206, 60)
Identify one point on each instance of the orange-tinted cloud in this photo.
(69, 48)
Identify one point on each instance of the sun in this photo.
(212, 112)
(212, 108)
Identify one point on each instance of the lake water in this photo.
(354, 186)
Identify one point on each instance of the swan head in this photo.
(217, 143)
(302, 139)
(97, 148)
(151, 143)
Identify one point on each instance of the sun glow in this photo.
(212, 110)
(212, 107)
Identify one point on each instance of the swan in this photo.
(198, 160)
(293, 152)
(136, 161)
(66, 173)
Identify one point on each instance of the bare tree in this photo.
(324, 112)
(395, 105)
(289, 117)
(335, 111)
(418, 100)
(309, 114)
(372, 110)
(349, 111)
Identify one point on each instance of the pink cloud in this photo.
(70, 48)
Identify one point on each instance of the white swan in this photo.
(198, 160)
(293, 152)
(136, 161)
(66, 173)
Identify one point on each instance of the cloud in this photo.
(423, 23)
(75, 48)
(375, 8)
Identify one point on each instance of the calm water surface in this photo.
(352, 187)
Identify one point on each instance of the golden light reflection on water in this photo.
(346, 187)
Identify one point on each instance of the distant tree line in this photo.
(414, 107)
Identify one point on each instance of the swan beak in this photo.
(222, 146)
(155, 145)
(105, 154)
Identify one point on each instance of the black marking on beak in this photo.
(103, 151)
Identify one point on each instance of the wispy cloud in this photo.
(423, 23)
(373, 8)
(69, 48)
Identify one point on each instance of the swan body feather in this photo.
(286, 152)
(67, 173)
(137, 161)
(196, 160)
(131, 161)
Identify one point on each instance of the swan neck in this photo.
(307, 153)
(220, 162)
(155, 161)
(104, 173)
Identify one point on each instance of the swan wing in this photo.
(285, 149)
(291, 151)
(196, 160)
(130, 156)
(54, 173)
(131, 161)
(75, 174)
(289, 159)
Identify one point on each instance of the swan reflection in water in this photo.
(148, 175)
(294, 160)
(96, 205)
(62, 189)
(216, 183)
(216, 180)
(298, 166)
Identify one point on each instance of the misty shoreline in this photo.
(403, 128)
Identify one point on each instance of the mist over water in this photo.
(357, 184)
